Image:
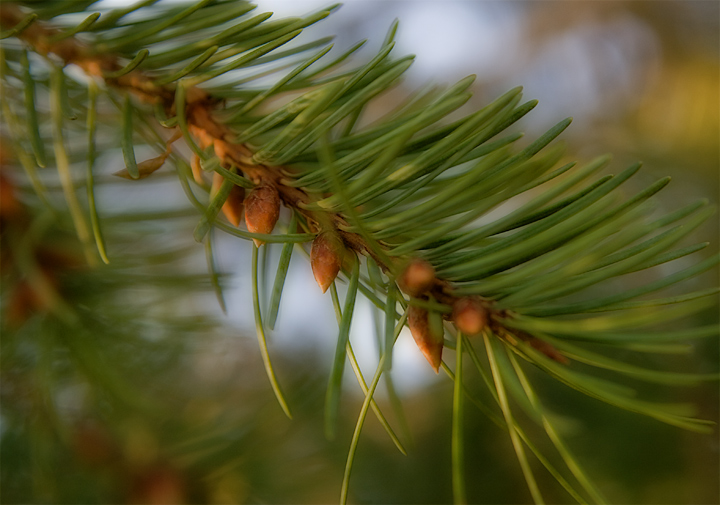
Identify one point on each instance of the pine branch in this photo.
(405, 192)
(202, 125)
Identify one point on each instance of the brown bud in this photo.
(326, 257)
(262, 210)
(469, 315)
(427, 337)
(145, 168)
(197, 170)
(234, 205)
(417, 278)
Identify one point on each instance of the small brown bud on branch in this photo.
(427, 337)
(326, 257)
(262, 210)
(196, 168)
(145, 168)
(234, 205)
(469, 315)
(417, 278)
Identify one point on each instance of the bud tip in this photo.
(326, 257)
(417, 278)
(469, 315)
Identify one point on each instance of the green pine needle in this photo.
(511, 423)
(332, 397)
(262, 341)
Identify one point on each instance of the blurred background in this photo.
(195, 420)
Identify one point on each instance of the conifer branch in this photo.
(211, 133)
(405, 192)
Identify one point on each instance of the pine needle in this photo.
(457, 443)
(332, 397)
(261, 337)
(512, 427)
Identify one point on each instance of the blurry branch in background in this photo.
(266, 138)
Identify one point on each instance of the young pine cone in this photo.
(469, 315)
(417, 278)
(233, 206)
(428, 336)
(326, 257)
(262, 209)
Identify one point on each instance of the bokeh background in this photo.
(642, 81)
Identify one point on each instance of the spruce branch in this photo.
(207, 132)
(406, 193)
